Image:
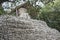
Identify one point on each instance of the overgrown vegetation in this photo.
(51, 14)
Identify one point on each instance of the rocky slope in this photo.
(16, 28)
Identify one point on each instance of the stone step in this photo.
(21, 27)
(16, 25)
(21, 31)
(25, 36)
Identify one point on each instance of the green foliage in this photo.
(1, 11)
(51, 14)
(57, 5)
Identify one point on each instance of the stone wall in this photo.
(15, 28)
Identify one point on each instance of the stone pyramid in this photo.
(16, 28)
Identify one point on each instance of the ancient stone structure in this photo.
(16, 28)
(23, 13)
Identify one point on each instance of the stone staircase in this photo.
(15, 28)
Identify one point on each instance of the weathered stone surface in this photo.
(15, 28)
